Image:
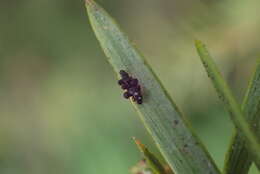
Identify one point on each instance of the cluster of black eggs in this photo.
(131, 87)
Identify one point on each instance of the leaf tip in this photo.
(88, 2)
(139, 144)
(198, 43)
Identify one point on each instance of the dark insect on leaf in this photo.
(127, 95)
(123, 74)
(131, 87)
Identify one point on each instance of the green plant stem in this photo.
(238, 158)
(230, 102)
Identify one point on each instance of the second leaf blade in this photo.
(238, 159)
(229, 101)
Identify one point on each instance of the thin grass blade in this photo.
(238, 159)
(171, 133)
(230, 102)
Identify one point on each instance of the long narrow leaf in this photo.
(179, 146)
(238, 159)
(229, 101)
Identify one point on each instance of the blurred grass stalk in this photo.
(245, 131)
(238, 159)
(153, 162)
(170, 131)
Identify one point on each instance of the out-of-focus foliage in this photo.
(61, 109)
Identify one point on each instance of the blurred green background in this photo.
(61, 109)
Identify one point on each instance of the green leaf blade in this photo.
(238, 159)
(229, 101)
(172, 134)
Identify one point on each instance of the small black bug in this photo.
(131, 87)
(124, 74)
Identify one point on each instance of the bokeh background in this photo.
(61, 109)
